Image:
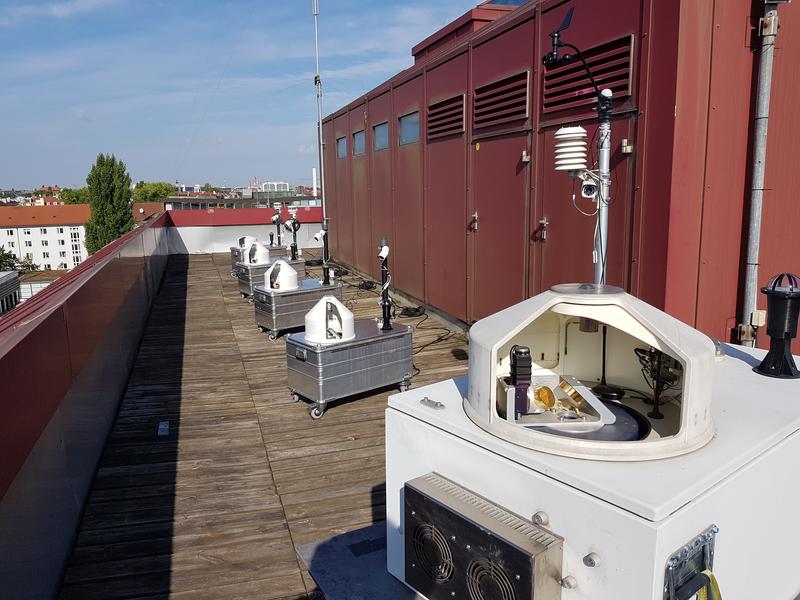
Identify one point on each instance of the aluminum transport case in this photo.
(237, 255)
(252, 275)
(374, 359)
(278, 311)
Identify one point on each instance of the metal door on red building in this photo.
(498, 226)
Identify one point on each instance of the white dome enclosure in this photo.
(280, 277)
(329, 322)
(246, 241)
(571, 372)
(257, 254)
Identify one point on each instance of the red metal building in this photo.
(479, 219)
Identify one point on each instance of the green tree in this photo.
(110, 197)
(209, 188)
(152, 191)
(75, 196)
(26, 265)
(8, 262)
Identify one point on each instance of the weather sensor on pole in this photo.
(572, 156)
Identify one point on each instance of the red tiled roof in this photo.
(19, 216)
(150, 209)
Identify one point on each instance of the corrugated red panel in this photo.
(364, 245)
(446, 117)
(502, 102)
(568, 85)
(344, 193)
(446, 197)
(380, 165)
(409, 249)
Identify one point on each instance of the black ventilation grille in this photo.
(446, 118)
(432, 553)
(501, 102)
(459, 545)
(568, 85)
(486, 580)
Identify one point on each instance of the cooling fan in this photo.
(458, 545)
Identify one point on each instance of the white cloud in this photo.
(12, 15)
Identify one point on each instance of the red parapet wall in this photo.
(46, 341)
(218, 217)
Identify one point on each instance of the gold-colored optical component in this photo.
(544, 397)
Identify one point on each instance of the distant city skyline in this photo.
(190, 91)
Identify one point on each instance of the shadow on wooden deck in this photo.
(216, 507)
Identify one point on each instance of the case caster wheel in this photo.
(272, 336)
(242, 294)
(233, 274)
(316, 411)
(295, 397)
(261, 329)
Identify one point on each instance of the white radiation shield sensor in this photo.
(570, 149)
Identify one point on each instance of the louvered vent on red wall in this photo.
(568, 86)
(446, 117)
(502, 102)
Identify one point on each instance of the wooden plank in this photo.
(215, 508)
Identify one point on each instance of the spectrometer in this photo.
(244, 242)
(282, 301)
(251, 270)
(522, 480)
(338, 356)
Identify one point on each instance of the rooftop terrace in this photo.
(216, 506)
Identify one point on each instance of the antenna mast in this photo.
(318, 83)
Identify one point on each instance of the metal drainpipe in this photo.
(768, 29)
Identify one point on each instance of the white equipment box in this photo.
(493, 505)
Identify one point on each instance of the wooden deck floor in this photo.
(215, 508)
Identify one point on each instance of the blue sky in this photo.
(197, 91)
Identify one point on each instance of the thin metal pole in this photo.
(386, 302)
(604, 193)
(318, 83)
(769, 31)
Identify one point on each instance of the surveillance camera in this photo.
(384, 252)
(288, 224)
(589, 189)
(319, 235)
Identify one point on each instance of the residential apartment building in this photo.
(50, 236)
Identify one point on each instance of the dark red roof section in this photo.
(467, 23)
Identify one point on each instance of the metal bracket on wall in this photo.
(768, 25)
(473, 224)
(541, 233)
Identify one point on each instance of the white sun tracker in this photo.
(647, 508)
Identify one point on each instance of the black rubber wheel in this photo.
(316, 411)
(272, 336)
(261, 328)
(404, 386)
